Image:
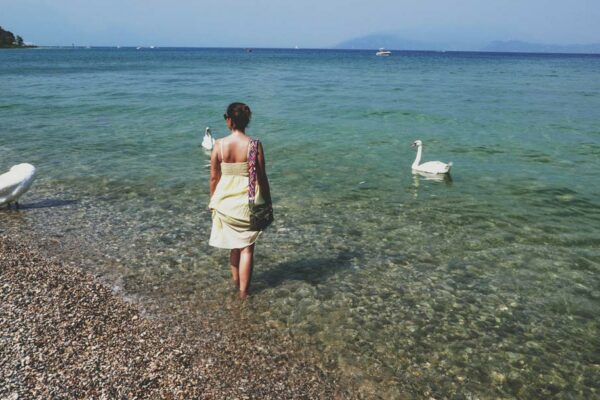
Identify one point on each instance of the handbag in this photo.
(261, 215)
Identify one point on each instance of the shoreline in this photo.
(66, 334)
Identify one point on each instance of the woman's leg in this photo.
(234, 262)
(246, 265)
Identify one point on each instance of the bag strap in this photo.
(252, 154)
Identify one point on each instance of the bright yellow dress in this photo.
(230, 211)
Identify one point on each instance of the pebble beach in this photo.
(66, 334)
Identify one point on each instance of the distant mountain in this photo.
(389, 41)
(394, 42)
(516, 46)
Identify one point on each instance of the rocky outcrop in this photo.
(8, 39)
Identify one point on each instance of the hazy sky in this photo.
(306, 23)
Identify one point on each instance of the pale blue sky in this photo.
(306, 23)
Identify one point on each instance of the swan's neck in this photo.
(415, 164)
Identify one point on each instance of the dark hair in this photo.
(240, 115)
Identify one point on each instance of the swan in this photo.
(208, 142)
(431, 167)
(15, 182)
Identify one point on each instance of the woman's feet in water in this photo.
(243, 293)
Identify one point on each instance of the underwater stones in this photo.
(515, 359)
(497, 378)
(275, 324)
(440, 337)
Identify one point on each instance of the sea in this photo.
(484, 284)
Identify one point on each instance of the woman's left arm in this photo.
(263, 181)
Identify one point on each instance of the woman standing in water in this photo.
(229, 195)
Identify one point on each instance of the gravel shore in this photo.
(65, 334)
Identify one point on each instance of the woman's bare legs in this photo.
(234, 262)
(246, 264)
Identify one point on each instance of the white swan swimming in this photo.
(208, 142)
(431, 167)
(15, 182)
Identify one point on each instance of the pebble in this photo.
(65, 334)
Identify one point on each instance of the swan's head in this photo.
(417, 143)
(207, 130)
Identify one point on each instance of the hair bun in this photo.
(240, 115)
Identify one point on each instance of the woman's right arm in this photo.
(215, 168)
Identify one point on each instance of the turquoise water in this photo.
(483, 286)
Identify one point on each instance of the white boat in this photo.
(15, 182)
(383, 53)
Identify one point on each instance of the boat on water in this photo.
(383, 53)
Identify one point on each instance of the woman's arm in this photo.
(263, 181)
(215, 168)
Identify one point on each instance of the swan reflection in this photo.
(424, 176)
(431, 177)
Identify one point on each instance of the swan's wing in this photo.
(9, 182)
(208, 142)
(434, 167)
(16, 182)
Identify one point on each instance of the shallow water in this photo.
(482, 286)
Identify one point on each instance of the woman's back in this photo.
(234, 149)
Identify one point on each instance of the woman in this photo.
(229, 195)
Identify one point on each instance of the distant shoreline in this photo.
(18, 47)
(158, 48)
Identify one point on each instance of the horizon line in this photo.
(153, 47)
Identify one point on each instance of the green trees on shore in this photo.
(7, 39)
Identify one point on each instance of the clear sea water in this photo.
(483, 286)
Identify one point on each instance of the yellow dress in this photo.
(230, 211)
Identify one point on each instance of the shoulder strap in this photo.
(252, 153)
(221, 143)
